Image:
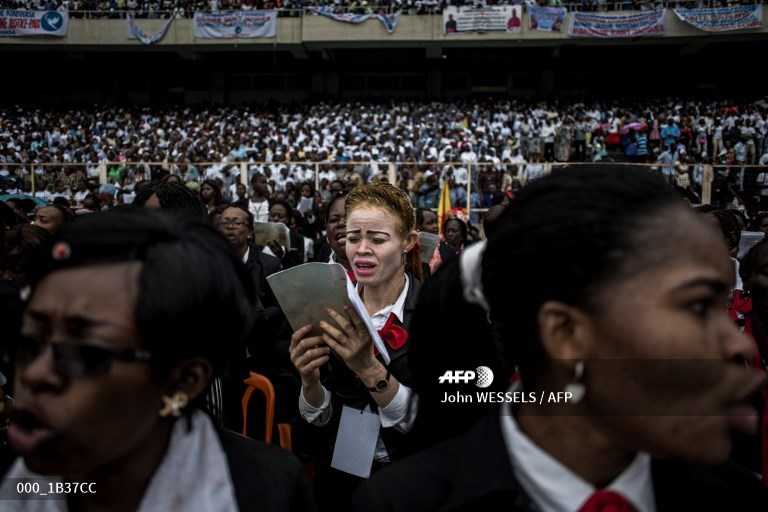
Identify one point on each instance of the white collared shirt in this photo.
(554, 487)
(398, 413)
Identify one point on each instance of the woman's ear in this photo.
(410, 240)
(191, 376)
(564, 331)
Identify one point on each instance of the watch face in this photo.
(381, 385)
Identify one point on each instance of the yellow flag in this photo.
(444, 207)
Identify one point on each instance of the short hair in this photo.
(67, 213)
(571, 231)
(462, 226)
(755, 224)
(335, 197)
(189, 274)
(284, 204)
(491, 219)
(420, 215)
(172, 196)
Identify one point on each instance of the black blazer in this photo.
(262, 340)
(473, 472)
(265, 477)
(347, 389)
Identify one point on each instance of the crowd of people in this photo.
(179, 9)
(501, 144)
(617, 375)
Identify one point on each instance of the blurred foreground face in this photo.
(79, 410)
(666, 367)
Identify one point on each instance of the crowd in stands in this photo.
(178, 9)
(502, 144)
(172, 290)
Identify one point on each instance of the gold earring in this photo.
(174, 404)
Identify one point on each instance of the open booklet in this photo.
(264, 232)
(748, 240)
(427, 244)
(306, 291)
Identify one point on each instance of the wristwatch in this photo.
(380, 385)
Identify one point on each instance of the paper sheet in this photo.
(305, 205)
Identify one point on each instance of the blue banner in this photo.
(651, 23)
(550, 19)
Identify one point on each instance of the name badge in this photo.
(356, 441)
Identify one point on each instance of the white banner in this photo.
(722, 19)
(496, 18)
(134, 32)
(388, 20)
(246, 24)
(33, 23)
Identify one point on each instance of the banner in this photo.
(495, 18)
(134, 32)
(722, 19)
(550, 19)
(388, 20)
(33, 23)
(650, 23)
(245, 24)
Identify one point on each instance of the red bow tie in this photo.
(607, 501)
(394, 335)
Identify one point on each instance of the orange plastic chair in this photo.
(260, 382)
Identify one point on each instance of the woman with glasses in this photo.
(236, 224)
(112, 364)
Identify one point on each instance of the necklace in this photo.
(258, 208)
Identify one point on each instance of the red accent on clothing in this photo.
(607, 501)
(394, 335)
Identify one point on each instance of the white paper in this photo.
(264, 232)
(748, 239)
(306, 291)
(305, 204)
(356, 442)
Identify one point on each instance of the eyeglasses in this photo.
(238, 223)
(76, 358)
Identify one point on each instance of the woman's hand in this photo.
(350, 340)
(308, 355)
(276, 249)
